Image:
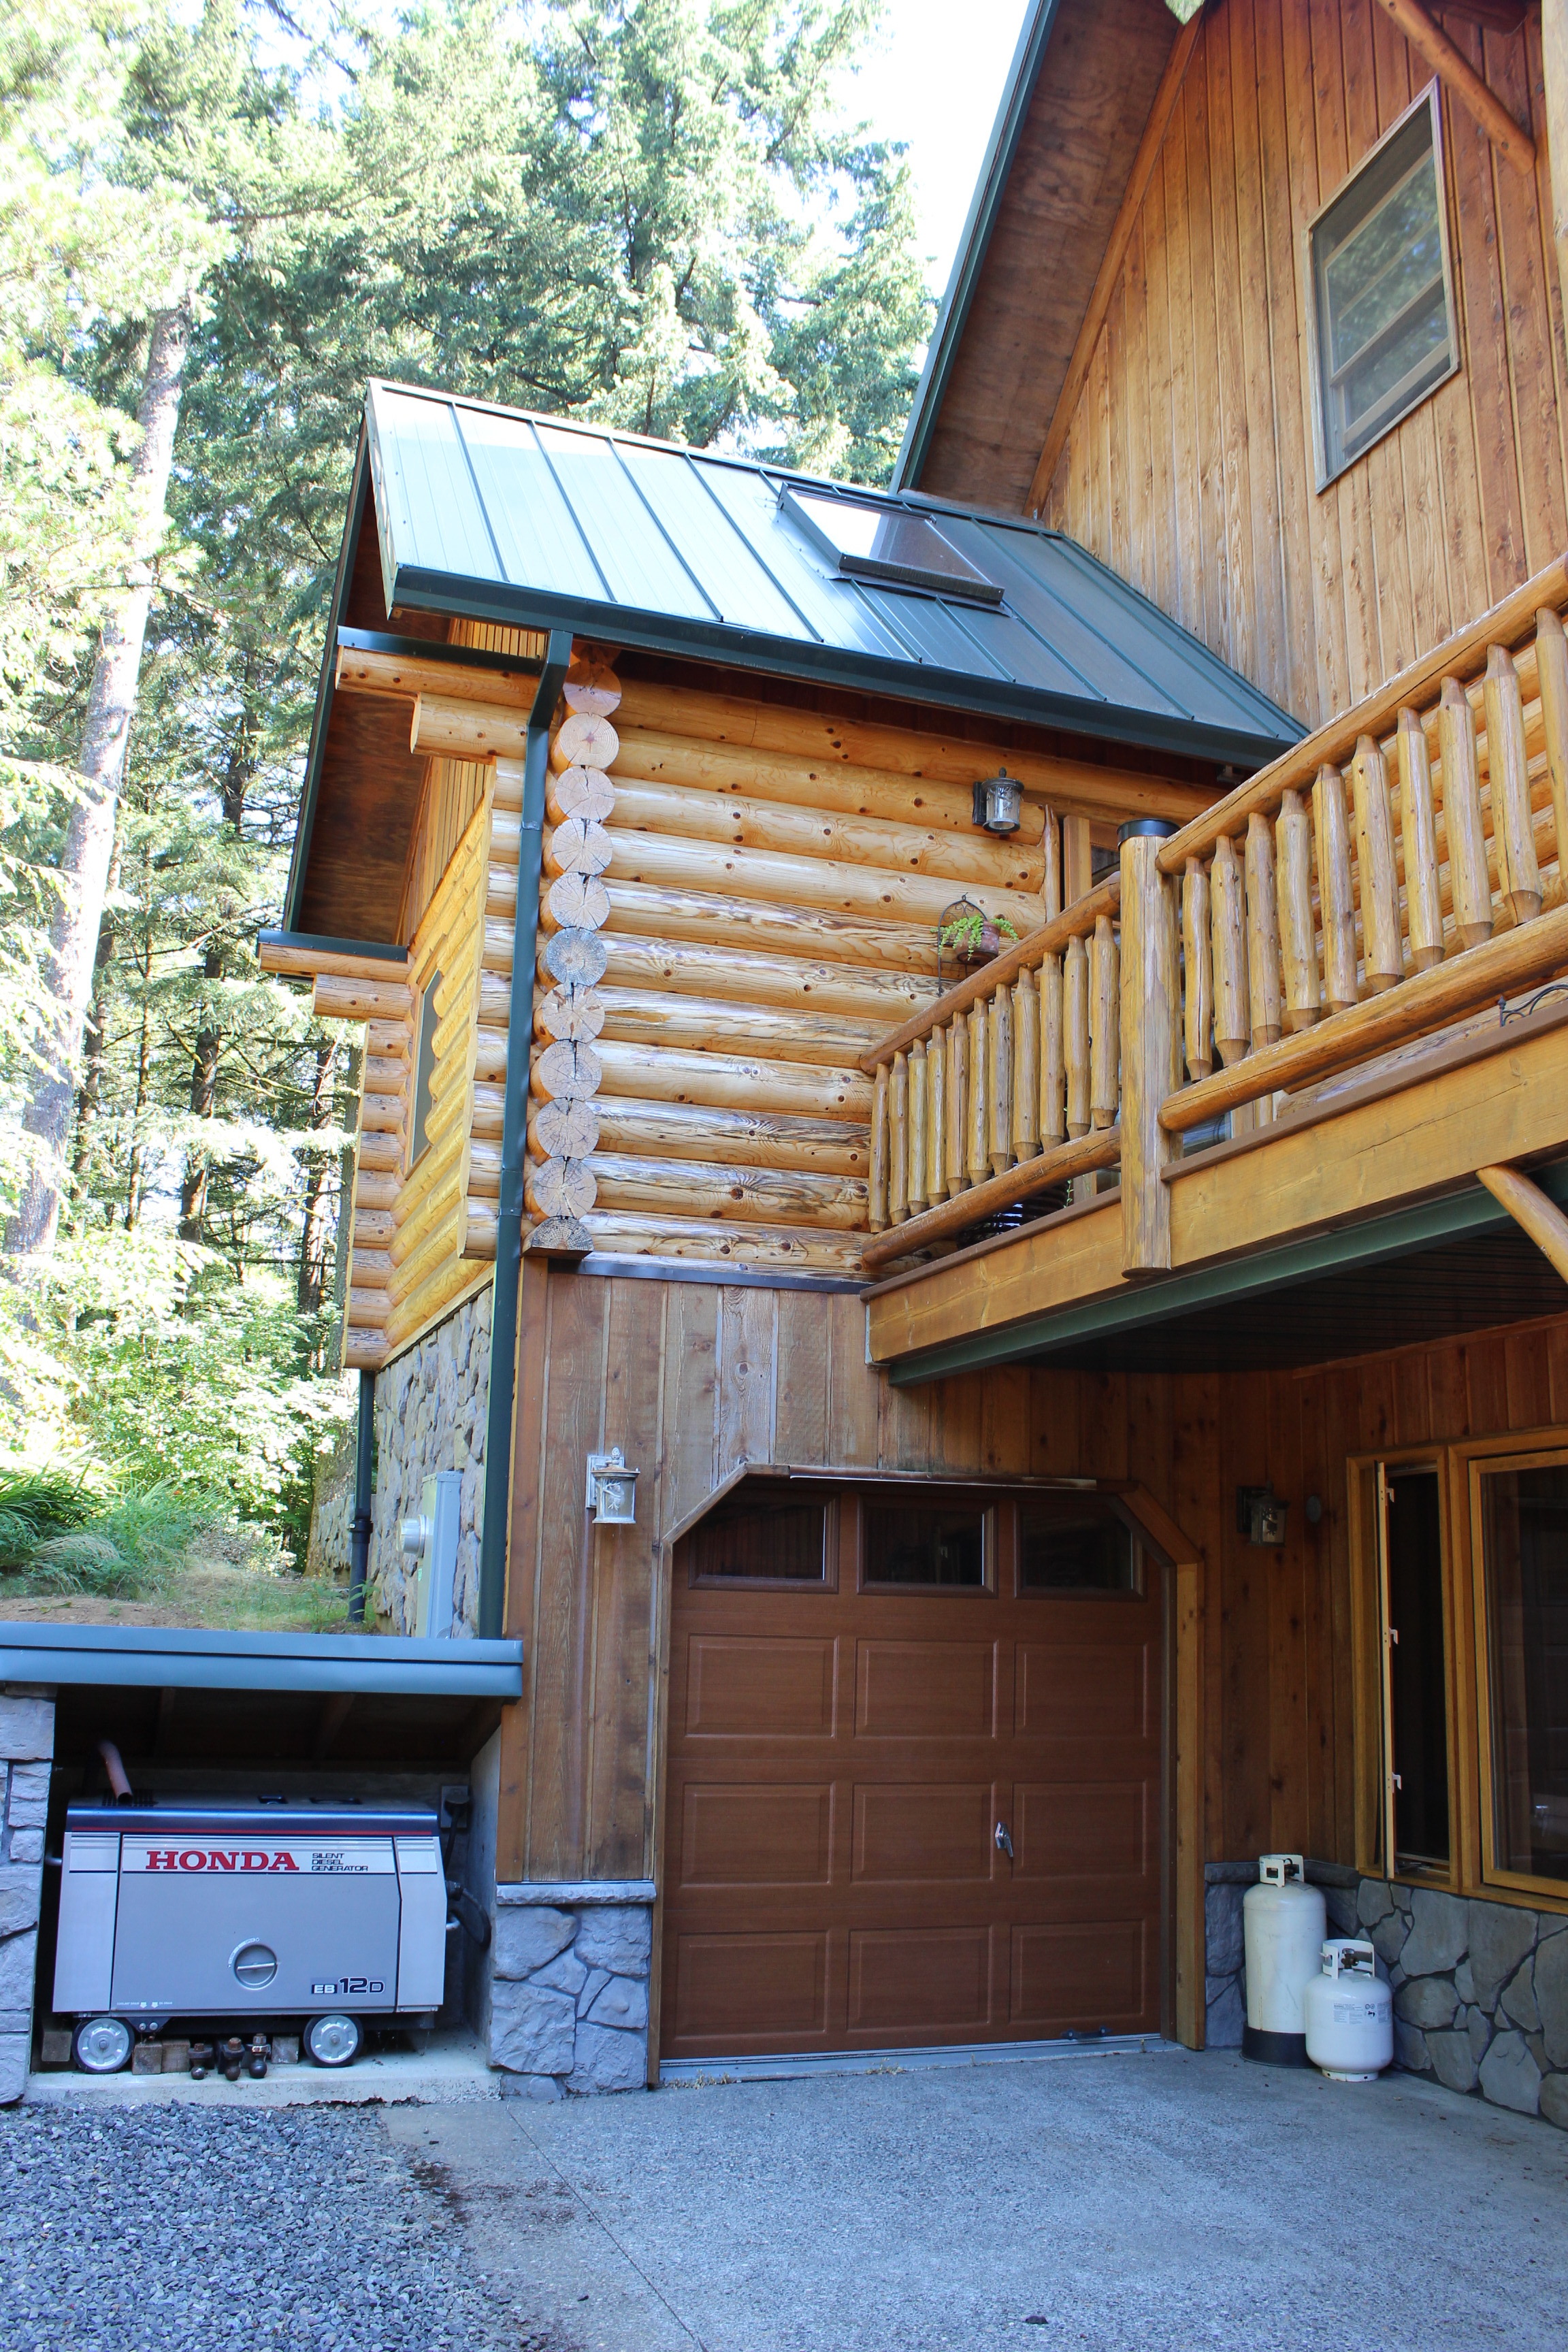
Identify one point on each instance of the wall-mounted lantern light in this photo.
(1260, 1514)
(998, 803)
(612, 1490)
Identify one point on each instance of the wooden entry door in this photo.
(853, 1754)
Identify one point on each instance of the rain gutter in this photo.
(514, 1131)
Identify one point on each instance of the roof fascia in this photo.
(735, 648)
(293, 895)
(974, 244)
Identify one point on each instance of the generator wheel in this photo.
(334, 2040)
(103, 2045)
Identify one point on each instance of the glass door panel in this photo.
(1524, 1518)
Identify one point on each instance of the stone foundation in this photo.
(27, 1745)
(1481, 1993)
(569, 1986)
(430, 1407)
(1481, 1988)
(330, 1551)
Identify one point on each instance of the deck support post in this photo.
(1151, 1016)
(1539, 1216)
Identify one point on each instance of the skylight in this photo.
(888, 544)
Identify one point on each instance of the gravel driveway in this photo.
(1170, 2203)
(126, 2228)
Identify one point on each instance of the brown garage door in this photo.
(915, 1787)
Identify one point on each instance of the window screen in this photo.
(424, 1067)
(888, 543)
(1384, 304)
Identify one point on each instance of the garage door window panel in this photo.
(927, 1546)
(1082, 1545)
(764, 1540)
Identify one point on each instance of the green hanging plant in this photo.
(972, 936)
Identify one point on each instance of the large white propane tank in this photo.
(1348, 2013)
(1283, 1920)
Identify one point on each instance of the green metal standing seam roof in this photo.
(536, 521)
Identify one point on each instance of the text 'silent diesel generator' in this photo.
(268, 1909)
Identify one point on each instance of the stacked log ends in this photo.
(559, 1190)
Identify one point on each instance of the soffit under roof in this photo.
(1033, 248)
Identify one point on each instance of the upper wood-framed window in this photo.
(424, 1070)
(1384, 322)
(1460, 1565)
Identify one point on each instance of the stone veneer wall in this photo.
(569, 1982)
(430, 1407)
(330, 1551)
(1481, 1988)
(27, 1745)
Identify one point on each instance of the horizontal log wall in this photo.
(759, 918)
(412, 1254)
(453, 791)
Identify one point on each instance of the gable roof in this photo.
(1083, 84)
(531, 520)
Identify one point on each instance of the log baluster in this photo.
(1053, 1066)
(1418, 836)
(1382, 948)
(1232, 994)
(899, 1141)
(936, 1122)
(1025, 1068)
(1105, 1074)
(1336, 897)
(1508, 766)
(999, 1079)
(1552, 675)
(1298, 943)
(877, 1204)
(977, 1136)
(918, 1118)
(958, 1176)
(1149, 1025)
(1075, 1027)
(1262, 932)
(1468, 878)
(1198, 971)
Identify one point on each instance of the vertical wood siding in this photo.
(690, 1379)
(1190, 466)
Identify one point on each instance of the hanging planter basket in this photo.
(970, 936)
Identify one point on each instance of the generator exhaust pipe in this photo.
(118, 1779)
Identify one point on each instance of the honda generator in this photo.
(324, 1915)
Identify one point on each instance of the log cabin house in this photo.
(996, 1042)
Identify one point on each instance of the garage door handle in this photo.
(1004, 1842)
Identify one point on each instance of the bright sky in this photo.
(937, 85)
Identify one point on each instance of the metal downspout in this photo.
(514, 1136)
(359, 1539)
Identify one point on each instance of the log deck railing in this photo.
(1397, 870)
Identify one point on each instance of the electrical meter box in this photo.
(263, 1909)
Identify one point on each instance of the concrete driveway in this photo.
(1138, 2202)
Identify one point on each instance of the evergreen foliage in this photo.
(646, 212)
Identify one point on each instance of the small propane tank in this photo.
(1283, 1920)
(1349, 2012)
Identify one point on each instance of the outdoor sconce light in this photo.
(1260, 1514)
(998, 803)
(612, 1490)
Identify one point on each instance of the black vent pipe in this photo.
(359, 1539)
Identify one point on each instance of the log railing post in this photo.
(1149, 1023)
